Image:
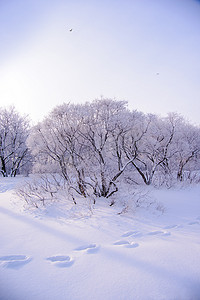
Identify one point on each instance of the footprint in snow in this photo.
(166, 233)
(121, 242)
(14, 261)
(171, 226)
(155, 232)
(126, 244)
(159, 232)
(132, 233)
(61, 261)
(132, 245)
(193, 223)
(90, 249)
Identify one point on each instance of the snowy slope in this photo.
(102, 255)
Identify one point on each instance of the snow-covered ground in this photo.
(101, 255)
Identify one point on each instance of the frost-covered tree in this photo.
(83, 143)
(14, 130)
(55, 142)
(150, 144)
(102, 129)
(94, 146)
(186, 149)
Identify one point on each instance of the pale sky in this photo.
(144, 51)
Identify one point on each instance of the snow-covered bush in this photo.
(134, 198)
(40, 190)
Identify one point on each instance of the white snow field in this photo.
(101, 255)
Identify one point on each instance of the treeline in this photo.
(96, 146)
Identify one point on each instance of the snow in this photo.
(100, 254)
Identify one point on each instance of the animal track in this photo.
(126, 244)
(132, 233)
(15, 261)
(57, 258)
(13, 257)
(159, 232)
(91, 248)
(155, 232)
(61, 261)
(171, 226)
(166, 233)
(64, 261)
(132, 245)
(85, 247)
(128, 233)
(121, 242)
(193, 223)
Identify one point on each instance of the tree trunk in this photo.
(3, 167)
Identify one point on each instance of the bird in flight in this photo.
(71, 30)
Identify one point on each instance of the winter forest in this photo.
(94, 149)
(99, 202)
